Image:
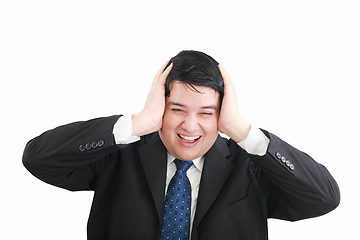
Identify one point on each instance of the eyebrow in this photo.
(182, 105)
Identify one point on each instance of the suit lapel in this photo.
(153, 157)
(216, 170)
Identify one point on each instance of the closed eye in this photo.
(206, 113)
(177, 110)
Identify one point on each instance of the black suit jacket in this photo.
(238, 191)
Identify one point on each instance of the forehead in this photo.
(192, 95)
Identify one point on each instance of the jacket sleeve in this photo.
(296, 186)
(70, 156)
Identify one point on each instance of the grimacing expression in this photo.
(190, 121)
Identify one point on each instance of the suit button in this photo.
(88, 146)
(94, 145)
(82, 148)
(288, 163)
(292, 167)
(101, 143)
(278, 155)
(283, 159)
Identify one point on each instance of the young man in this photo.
(228, 189)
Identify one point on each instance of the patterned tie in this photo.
(176, 220)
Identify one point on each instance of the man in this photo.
(229, 188)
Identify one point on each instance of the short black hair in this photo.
(195, 68)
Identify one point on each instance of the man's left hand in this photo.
(230, 121)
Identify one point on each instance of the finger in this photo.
(223, 72)
(225, 75)
(161, 70)
(166, 73)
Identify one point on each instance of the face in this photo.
(190, 121)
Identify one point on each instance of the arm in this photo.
(295, 185)
(67, 156)
(71, 156)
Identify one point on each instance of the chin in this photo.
(187, 157)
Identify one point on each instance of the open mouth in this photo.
(189, 139)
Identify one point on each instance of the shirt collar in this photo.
(198, 162)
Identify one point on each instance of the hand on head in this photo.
(150, 118)
(230, 121)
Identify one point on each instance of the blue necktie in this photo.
(177, 209)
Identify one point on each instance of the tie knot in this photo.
(182, 165)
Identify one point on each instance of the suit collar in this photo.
(217, 168)
(153, 157)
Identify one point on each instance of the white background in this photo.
(295, 64)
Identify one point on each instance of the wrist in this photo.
(256, 142)
(143, 124)
(239, 131)
(137, 125)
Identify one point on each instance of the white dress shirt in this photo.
(256, 143)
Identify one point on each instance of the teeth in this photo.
(189, 138)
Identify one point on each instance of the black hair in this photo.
(195, 68)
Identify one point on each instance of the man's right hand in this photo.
(150, 118)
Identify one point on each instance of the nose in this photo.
(191, 124)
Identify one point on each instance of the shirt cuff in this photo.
(256, 143)
(123, 129)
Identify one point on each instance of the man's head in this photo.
(195, 68)
(194, 90)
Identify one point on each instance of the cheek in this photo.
(210, 126)
(170, 122)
